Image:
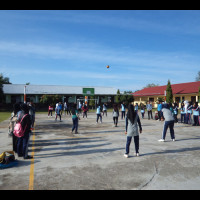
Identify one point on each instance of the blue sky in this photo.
(73, 47)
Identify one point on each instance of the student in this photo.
(50, 110)
(13, 121)
(123, 110)
(85, 109)
(196, 112)
(189, 113)
(159, 109)
(75, 118)
(175, 111)
(183, 114)
(169, 122)
(58, 112)
(136, 107)
(142, 110)
(105, 109)
(115, 114)
(149, 109)
(132, 122)
(22, 145)
(98, 112)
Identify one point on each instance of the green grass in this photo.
(4, 116)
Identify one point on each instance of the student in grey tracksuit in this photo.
(169, 122)
(132, 122)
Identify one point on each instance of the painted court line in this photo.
(31, 178)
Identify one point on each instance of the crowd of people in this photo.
(25, 113)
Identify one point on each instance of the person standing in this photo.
(132, 122)
(123, 110)
(58, 112)
(50, 110)
(159, 109)
(183, 114)
(115, 114)
(149, 110)
(142, 110)
(22, 145)
(169, 123)
(98, 112)
(75, 118)
(196, 112)
(105, 109)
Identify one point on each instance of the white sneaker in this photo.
(173, 140)
(126, 155)
(161, 140)
(137, 154)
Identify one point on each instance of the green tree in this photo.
(50, 99)
(127, 97)
(3, 80)
(118, 97)
(169, 95)
(198, 76)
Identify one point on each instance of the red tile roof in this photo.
(181, 88)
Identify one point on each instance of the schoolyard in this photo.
(93, 159)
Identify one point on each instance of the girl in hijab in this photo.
(132, 122)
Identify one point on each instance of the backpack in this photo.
(18, 130)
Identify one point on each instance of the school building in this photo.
(181, 92)
(14, 93)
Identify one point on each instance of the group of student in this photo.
(187, 110)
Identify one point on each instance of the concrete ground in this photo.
(93, 159)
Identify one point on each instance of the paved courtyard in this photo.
(93, 159)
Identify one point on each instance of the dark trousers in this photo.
(115, 119)
(169, 124)
(22, 145)
(99, 115)
(196, 120)
(75, 124)
(150, 114)
(183, 118)
(123, 114)
(128, 142)
(188, 118)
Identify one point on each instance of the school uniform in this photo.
(196, 112)
(132, 131)
(183, 115)
(189, 113)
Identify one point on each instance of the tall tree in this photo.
(169, 95)
(198, 76)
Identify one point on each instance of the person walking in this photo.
(132, 122)
(115, 115)
(169, 123)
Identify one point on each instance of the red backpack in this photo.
(18, 130)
